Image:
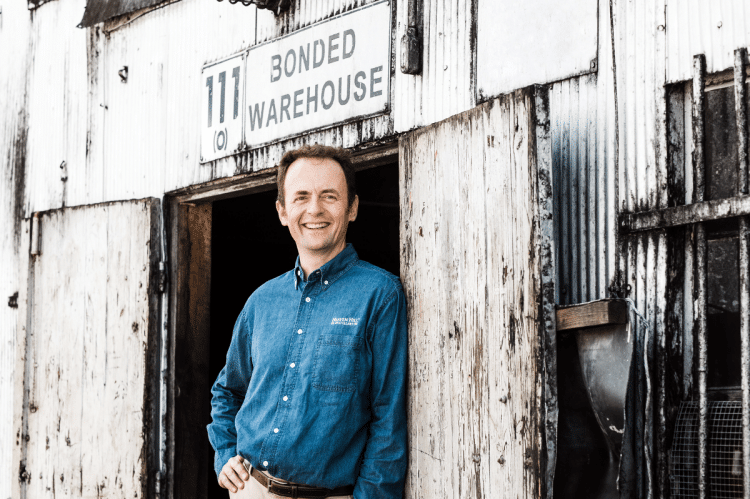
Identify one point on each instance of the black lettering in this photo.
(314, 99)
(272, 114)
(348, 90)
(317, 63)
(374, 81)
(323, 94)
(298, 102)
(287, 71)
(257, 115)
(284, 108)
(304, 58)
(348, 54)
(332, 47)
(360, 85)
(275, 65)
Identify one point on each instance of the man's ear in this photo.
(282, 214)
(353, 209)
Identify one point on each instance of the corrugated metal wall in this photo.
(446, 85)
(587, 129)
(122, 140)
(712, 28)
(582, 118)
(13, 61)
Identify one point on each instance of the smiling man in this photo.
(312, 400)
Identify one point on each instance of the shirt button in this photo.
(265, 463)
(286, 398)
(307, 299)
(275, 430)
(299, 331)
(292, 364)
(325, 282)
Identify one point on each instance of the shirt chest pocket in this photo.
(336, 366)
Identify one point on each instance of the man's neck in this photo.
(311, 261)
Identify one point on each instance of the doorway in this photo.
(249, 246)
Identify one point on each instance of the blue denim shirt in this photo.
(314, 388)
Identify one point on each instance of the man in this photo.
(311, 401)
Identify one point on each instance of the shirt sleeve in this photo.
(228, 392)
(383, 469)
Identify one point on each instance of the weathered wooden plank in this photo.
(471, 272)
(192, 349)
(686, 214)
(20, 393)
(85, 419)
(595, 313)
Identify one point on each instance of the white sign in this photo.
(221, 107)
(327, 73)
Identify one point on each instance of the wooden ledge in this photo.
(596, 313)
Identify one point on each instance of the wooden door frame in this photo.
(188, 220)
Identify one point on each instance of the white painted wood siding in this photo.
(472, 273)
(81, 417)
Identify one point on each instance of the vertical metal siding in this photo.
(584, 143)
(56, 106)
(14, 63)
(712, 28)
(302, 13)
(582, 118)
(157, 110)
(446, 86)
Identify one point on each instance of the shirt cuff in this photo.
(222, 457)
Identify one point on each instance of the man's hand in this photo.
(234, 474)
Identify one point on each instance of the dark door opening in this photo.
(250, 246)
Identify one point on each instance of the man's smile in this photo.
(315, 225)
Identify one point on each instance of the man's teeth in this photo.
(316, 226)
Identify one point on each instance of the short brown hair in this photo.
(339, 155)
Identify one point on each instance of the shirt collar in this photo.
(332, 270)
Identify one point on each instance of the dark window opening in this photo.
(723, 312)
(250, 246)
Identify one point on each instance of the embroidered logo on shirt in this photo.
(344, 321)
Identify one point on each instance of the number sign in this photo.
(221, 105)
(328, 73)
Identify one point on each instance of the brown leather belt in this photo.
(294, 490)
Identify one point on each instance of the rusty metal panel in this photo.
(446, 85)
(714, 28)
(98, 11)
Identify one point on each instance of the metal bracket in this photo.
(411, 52)
(34, 249)
(618, 288)
(411, 42)
(161, 277)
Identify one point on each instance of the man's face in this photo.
(316, 206)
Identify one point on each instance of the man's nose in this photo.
(314, 207)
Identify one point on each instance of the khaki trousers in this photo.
(254, 490)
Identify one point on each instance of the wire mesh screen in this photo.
(724, 451)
